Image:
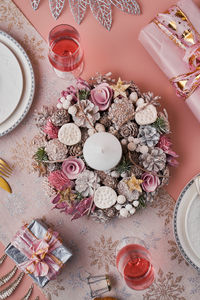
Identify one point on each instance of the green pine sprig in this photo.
(160, 125)
(84, 94)
(123, 166)
(142, 202)
(41, 155)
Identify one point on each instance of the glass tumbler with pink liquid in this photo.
(65, 51)
(134, 263)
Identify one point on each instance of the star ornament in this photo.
(67, 196)
(120, 88)
(134, 184)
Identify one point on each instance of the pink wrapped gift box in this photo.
(173, 41)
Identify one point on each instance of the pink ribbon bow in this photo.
(41, 261)
(178, 28)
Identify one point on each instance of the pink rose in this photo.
(72, 167)
(150, 182)
(102, 95)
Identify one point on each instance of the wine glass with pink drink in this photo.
(134, 263)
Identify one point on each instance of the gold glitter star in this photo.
(67, 196)
(134, 184)
(119, 88)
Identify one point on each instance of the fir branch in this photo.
(41, 155)
(84, 94)
(160, 125)
(123, 166)
(142, 202)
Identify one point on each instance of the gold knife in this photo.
(4, 185)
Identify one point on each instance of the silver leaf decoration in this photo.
(35, 4)
(8, 291)
(78, 9)
(56, 7)
(8, 276)
(128, 6)
(101, 9)
(28, 294)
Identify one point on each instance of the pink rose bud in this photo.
(150, 182)
(102, 95)
(72, 167)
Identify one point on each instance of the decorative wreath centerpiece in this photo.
(105, 151)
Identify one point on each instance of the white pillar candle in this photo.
(102, 151)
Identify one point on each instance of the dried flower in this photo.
(101, 96)
(165, 144)
(65, 199)
(150, 182)
(72, 167)
(59, 180)
(71, 90)
(40, 167)
(51, 130)
(82, 84)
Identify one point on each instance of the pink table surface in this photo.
(120, 51)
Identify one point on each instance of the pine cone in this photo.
(110, 181)
(75, 150)
(151, 196)
(136, 171)
(53, 167)
(99, 216)
(60, 117)
(129, 129)
(134, 88)
(148, 135)
(121, 111)
(42, 116)
(104, 120)
(114, 131)
(87, 109)
(110, 212)
(154, 160)
(164, 180)
(102, 175)
(123, 189)
(56, 150)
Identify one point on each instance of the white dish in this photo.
(11, 82)
(28, 84)
(185, 221)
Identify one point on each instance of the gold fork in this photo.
(5, 169)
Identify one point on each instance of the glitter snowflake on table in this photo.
(101, 9)
(103, 253)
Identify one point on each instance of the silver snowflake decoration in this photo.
(101, 9)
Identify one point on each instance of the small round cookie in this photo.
(69, 134)
(146, 116)
(105, 197)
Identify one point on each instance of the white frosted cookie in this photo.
(146, 116)
(69, 134)
(105, 197)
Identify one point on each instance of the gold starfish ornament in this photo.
(134, 184)
(120, 88)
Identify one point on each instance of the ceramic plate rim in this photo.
(32, 89)
(177, 239)
(21, 81)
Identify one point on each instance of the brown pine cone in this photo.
(110, 212)
(102, 175)
(129, 129)
(104, 120)
(110, 181)
(134, 88)
(75, 150)
(60, 117)
(136, 171)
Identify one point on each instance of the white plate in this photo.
(185, 217)
(28, 84)
(11, 82)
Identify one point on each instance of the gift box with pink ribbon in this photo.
(173, 40)
(38, 251)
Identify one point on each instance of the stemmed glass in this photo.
(65, 51)
(134, 264)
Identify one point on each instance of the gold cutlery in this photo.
(28, 294)
(5, 169)
(4, 185)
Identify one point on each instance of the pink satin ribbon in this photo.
(176, 25)
(41, 261)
